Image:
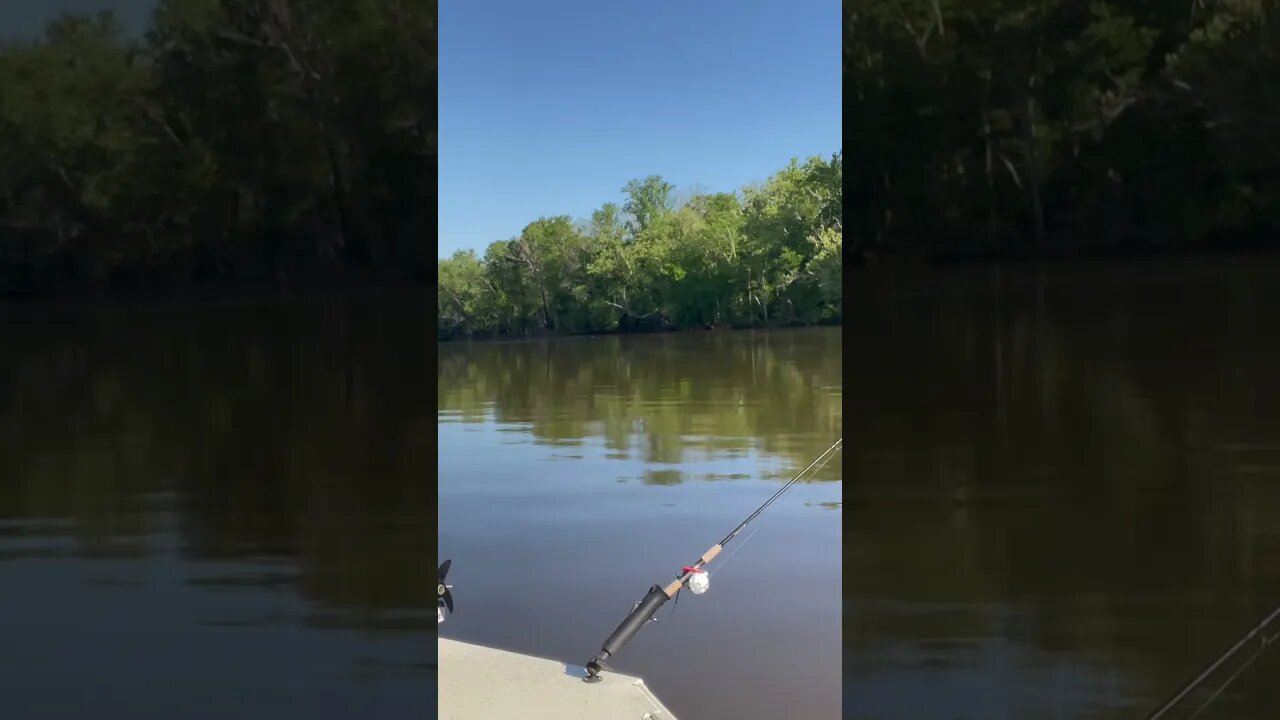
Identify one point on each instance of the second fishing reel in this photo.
(444, 593)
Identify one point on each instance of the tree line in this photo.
(236, 141)
(769, 254)
(1032, 127)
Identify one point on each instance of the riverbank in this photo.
(874, 279)
(543, 335)
(194, 295)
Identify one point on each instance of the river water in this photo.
(1062, 489)
(576, 473)
(1063, 501)
(217, 512)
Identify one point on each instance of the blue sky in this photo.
(548, 108)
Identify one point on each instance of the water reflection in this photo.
(669, 399)
(252, 481)
(608, 463)
(1065, 486)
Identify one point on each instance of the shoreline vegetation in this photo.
(767, 255)
(1057, 128)
(1046, 131)
(229, 152)
(234, 146)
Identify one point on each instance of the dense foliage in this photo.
(237, 141)
(1043, 126)
(768, 255)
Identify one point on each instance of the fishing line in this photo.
(676, 600)
(725, 562)
(743, 544)
(1239, 671)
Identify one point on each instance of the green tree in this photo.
(257, 140)
(767, 255)
(647, 200)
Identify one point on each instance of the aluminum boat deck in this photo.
(483, 683)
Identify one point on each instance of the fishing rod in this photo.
(1186, 689)
(692, 575)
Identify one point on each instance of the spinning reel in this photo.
(444, 596)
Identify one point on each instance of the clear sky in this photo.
(548, 108)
